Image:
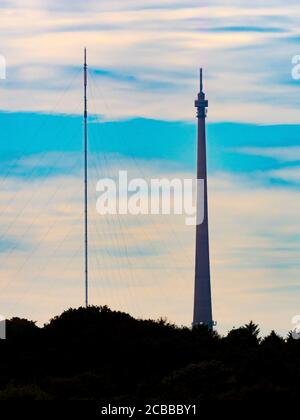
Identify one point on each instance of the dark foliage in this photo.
(98, 354)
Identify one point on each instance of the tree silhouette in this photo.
(98, 354)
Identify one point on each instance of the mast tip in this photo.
(201, 79)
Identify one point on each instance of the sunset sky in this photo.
(143, 61)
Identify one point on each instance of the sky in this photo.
(143, 78)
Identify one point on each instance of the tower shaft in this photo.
(86, 273)
(202, 293)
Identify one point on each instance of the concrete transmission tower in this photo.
(202, 296)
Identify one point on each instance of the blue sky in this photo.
(143, 66)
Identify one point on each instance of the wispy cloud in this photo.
(282, 154)
(253, 248)
(290, 175)
(259, 29)
(154, 50)
(144, 60)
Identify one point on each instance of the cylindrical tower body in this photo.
(202, 297)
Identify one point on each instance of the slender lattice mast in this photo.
(86, 185)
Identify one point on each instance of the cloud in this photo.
(290, 175)
(258, 29)
(282, 154)
(153, 51)
(145, 265)
(8, 244)
(144, 60)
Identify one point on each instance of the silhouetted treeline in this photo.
(98, 354)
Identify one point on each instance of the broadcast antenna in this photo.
(86, 262)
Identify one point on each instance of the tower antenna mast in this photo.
(86, 184)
